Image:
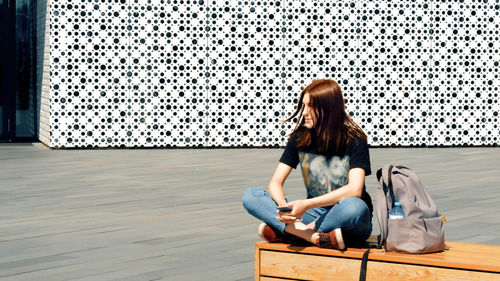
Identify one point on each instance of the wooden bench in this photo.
(460, 261)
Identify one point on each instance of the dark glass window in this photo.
(18, 69)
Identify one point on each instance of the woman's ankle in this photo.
(315, 238)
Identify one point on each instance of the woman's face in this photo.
(309, 113)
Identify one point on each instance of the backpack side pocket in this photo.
(411, 235)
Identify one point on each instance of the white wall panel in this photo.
(171, 73)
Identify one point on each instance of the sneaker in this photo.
(270, 235)
(332, 240)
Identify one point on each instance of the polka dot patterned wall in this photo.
(172, 73)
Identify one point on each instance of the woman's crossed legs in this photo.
(351, 215)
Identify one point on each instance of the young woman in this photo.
(333, 153)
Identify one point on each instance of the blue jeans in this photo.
(351, 215)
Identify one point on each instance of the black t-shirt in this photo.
(325, 172)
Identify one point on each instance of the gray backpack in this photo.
(421, 229)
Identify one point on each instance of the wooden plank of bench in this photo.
(458, 256)
(314, 267)
(386, 271)
(257, 263)
(308, 267)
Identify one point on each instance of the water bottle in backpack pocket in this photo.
(396, 212)
(408, 217)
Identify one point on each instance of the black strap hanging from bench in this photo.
(364, 261)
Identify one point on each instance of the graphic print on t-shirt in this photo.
(322, 174)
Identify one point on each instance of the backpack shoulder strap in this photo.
(389, 184)
(382, 205)
(385, 189)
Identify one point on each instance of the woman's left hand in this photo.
(299, 207)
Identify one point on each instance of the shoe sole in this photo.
(340, 240)
(260, 231)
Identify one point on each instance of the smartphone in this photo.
(284, 209)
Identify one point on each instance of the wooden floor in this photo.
(176, 214)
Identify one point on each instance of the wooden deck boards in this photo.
(176, 214)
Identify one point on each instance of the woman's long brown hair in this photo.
(333, 127)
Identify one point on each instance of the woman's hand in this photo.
(299, 207)
(286, 217)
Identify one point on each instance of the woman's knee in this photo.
(354, 207)
(252, 195)
(357, 218)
